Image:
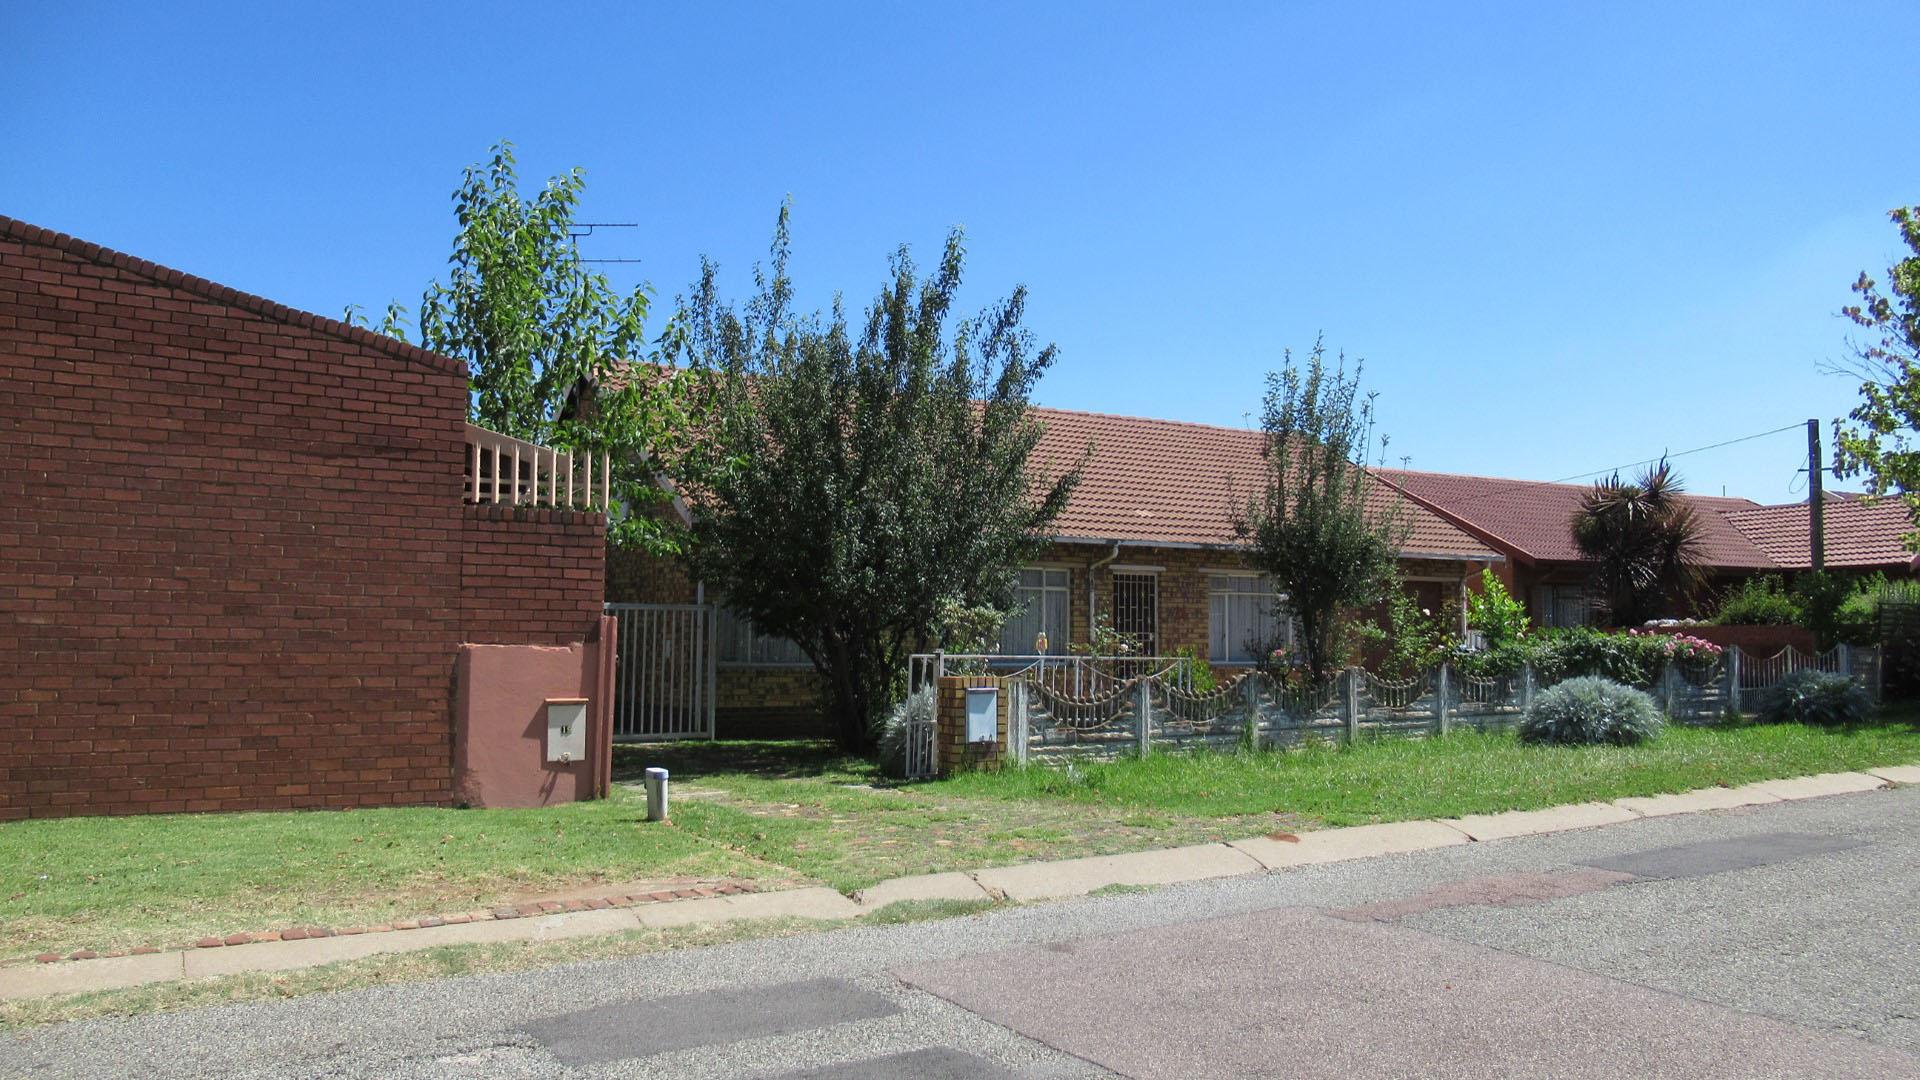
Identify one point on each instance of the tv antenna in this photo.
(586, 228)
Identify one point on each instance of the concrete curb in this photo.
(1022, 882)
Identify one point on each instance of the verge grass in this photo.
(1466, 772)
(446, 961)
(111, 883)
(778, 813)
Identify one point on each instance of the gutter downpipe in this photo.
(1091, 567)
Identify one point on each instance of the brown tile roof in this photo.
(1168, 482)
(1532, 517)
(1858, 533)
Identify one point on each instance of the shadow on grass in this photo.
(768, 759)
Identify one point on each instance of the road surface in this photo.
(1779, 940)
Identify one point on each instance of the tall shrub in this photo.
(854, 487)
(1311, 528)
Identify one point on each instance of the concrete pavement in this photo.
(1774, 939)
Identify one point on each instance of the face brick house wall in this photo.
(237, 565)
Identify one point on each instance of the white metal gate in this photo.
(664, 678)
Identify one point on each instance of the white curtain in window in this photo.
(1039, 604)
(1242, 617)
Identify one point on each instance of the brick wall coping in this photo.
(259, 305)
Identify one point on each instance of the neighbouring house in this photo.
(1857, 534)
(1528, 522)
(247, 563)
(1146, 543)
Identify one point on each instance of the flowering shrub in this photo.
(1636, 657)
(1682, 648)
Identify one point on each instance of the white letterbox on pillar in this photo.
(983, 714)
(566, 729)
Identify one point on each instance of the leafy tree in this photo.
(534, 325)
(1643, 541)
(1883, 439)
(1408, 638)
(1311, 527)
(852, 491)
(1495, 612)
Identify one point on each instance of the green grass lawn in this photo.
(108, 883)
(778, 813)
(1464, 773)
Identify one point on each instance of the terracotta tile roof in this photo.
(1532, 517)
(1858, 533)
(1168, 482)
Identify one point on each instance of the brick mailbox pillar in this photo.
(953, 750)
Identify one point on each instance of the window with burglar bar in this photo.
(1136, 608)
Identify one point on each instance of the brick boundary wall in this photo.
(531, 577)
(237, 565)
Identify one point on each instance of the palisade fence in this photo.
(1062, 708)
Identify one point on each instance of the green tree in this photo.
(1642, 540)
(1882, 440)
(1312, 528)
(853, 490)
(1495, 612)
(536, 326)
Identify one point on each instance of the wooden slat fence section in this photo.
(503, 469)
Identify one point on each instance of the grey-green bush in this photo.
(1591, 711)
(1816, 697)
(917, 708)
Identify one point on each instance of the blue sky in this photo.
(1561, 238)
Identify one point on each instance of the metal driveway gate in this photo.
(664, 675)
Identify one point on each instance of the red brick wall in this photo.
(531, 577)
(235, 550)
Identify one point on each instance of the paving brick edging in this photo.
(493, 914)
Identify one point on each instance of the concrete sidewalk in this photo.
(1019, 883)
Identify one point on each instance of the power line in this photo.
(1454, 504)
(1682, 453)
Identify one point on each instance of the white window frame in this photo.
(1263, 589)
(1025, 595)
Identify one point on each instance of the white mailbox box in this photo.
(983, 714)
(566, 729)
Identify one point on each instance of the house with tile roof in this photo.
(1529, 523)
(1146, 545)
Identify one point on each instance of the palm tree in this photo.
(1644, 542)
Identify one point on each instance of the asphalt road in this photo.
(1772, 941)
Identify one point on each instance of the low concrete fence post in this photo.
(1733, 679)
(1526, 687)
(1353, 704)
(1442, 718)
(1143, 717)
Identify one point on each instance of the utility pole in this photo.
(1816, 510)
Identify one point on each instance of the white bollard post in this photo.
(656, 794)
